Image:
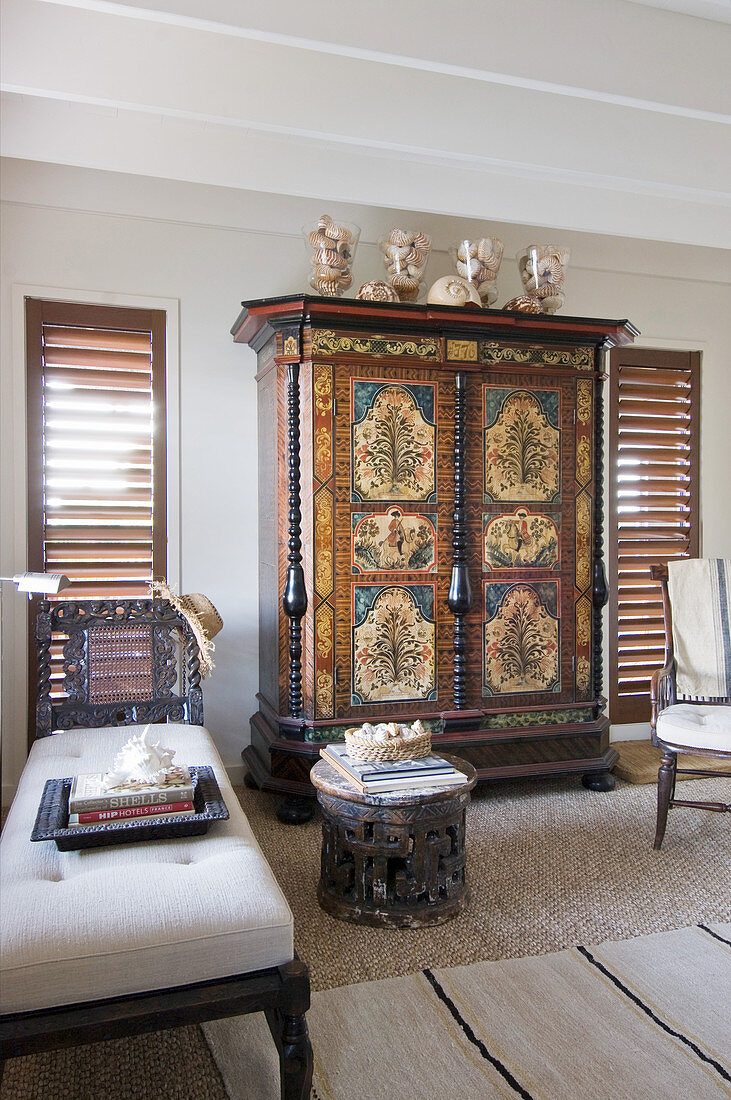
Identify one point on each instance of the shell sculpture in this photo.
(542, 274)
(405, 253)
(377, 291)
(332, 251)
(452, 290)
(524, 303)
(141, 762)
(479, 263)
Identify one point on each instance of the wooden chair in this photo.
(127, 662)
(683, 720)
(124, 662)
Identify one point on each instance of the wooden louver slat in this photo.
(652, 490)
(101, 513)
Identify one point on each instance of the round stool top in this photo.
(330, 782)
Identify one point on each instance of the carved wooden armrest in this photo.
(662, 691)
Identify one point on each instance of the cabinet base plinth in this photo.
(281, 765)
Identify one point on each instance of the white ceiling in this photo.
(607, 116)
(719, 10)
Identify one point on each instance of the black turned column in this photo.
(598, 781)
(600, 592)
(295, 809)
(294, 599)
(460, 592)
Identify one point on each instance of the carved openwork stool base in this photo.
(392, 860)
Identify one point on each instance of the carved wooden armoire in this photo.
(430, 537)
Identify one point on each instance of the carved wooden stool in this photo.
(395, 859)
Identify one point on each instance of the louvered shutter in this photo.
(96, 389)
(653, 508)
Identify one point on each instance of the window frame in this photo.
(40, 311)
(622, 709)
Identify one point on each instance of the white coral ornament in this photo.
(140, 761)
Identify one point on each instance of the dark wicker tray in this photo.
(53, 816)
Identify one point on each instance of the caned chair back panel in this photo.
(115, 663)
(120, 663)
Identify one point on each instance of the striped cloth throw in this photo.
(700, 597)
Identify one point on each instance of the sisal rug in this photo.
(635, 1018)
(639, 762)
(550, 865)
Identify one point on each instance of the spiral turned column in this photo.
(460, 592)
(195, 692)
(43, 632)
(294, 599)
(600, 592)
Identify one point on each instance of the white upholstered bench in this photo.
(137, 937)
(93, 943)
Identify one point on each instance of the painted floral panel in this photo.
(394, 541)
(393, 442)
(521, 650)
(394, 643)
(522, 444)
(521, 540)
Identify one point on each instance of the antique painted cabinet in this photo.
(430, 533)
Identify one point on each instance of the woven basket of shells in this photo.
(388, 741)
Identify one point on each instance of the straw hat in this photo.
(202, 616)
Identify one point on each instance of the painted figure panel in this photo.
(394, 643)
(393, 441)
(521, 647)
(521, 540)
(394, 541)
(522, 444)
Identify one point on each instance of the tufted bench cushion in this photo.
(86, 925)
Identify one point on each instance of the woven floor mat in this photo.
(550, 865)
(639, 761)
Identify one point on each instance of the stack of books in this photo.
(91, 803)
(380, 776)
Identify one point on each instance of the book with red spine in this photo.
(127, 813)
(89, 792)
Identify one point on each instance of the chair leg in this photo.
(665, 790)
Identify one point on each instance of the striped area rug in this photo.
(644, 1018)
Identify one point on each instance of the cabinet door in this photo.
(394, 487)
(535, 540)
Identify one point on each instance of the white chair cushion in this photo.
(78, 926)
(694, 726)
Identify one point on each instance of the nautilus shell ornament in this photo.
(479, 263)
(451, 290)
(524, 303)
(542, 270)
(405, 252)
(332, 250)
(377, 291)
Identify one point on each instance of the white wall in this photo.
(209, 248)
